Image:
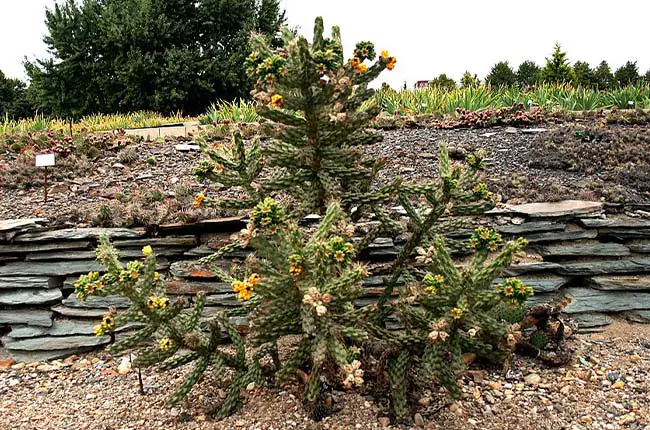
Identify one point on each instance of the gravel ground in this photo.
(606, 387)
(411, 153)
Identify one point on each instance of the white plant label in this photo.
(45, 160)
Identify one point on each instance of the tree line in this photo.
(110, 56)
(557, 70)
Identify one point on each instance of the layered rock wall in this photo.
(600, 261)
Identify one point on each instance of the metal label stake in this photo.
(45, 160)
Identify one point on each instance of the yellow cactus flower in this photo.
(456, 313)
(99, 330)
(390, 64)
(165, 344)
(108, 322)
(147, 250)
(277, 100)
(339, 256)
(385, 55)
(198, 200)
(254, 279)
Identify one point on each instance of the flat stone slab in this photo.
(42, 247)
(56, 343)
(556, 209)
(562, 236)
(78, 234)
(25, 268)
(584, 250)
(187, 240)
(623, 283)
(94, 302)
(18, 224)
(31, 317)
(89, 313)
(615, 222)
(60, 268)
(186, 287)
(28, 282)
(639, 246)
(90, 255)
(592, 268)
(641, 317)
(541, 284)
(61, 327)
(222, 300)
(530, 227)
(590, 300)
(193, 270)
(535, 267)
(591, 320)
(29, 296)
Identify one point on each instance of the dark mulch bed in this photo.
(583, 160)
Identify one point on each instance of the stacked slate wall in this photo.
(601, 261)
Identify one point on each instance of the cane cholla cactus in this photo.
(319, 107)
(448, 313)
(307, 287)
(171, 336)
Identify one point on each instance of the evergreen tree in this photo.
(603, 76)
(469, 81)
(443, 81)
(584, 75)
(13, 99)
(646, 77)
(557, 69)
(628, 74)
(125, 55)
(528, 74)
(501, 75)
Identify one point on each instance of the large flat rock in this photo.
(642, 317)
(624, 283)
(64, 268)
(31, 317)
(534, 267)
(29, 296)
(94, 302)
(592, 268)
(188, 287)
(20, 224)
(591, 320)
(56, 343)
(88, 313)
(556, 209)
(9, 282)
(61, 327)
(193, 270)
(584, 250)
(541, 284)
(59, 268)
(222, 300)
(590, 300)
(78, 234)
(42, 247)
(90, 255)
(616, 222)
(184, 241)
(530, 227)
(562, 236)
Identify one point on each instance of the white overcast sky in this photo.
(427, 37)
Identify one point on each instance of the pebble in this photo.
(533, 379)
(418, 420)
